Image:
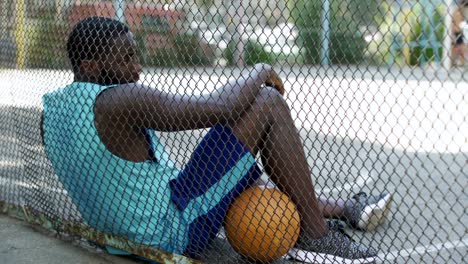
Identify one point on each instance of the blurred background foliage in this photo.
(46, 40)
(361, 31)
(409, 34)
(350, 20)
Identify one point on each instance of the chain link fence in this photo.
(148, 131)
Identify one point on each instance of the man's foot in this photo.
(335, 247)
(367, 212)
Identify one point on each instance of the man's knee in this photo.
(271, 100)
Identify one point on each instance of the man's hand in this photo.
(275, 81)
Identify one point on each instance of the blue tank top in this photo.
(114, 195)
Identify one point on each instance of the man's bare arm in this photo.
(141, 106)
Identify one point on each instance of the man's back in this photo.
(112, 194)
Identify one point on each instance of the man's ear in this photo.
(90, 68)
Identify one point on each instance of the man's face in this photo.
(121, 63)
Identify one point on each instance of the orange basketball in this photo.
(262, 224)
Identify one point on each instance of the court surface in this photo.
(371, 129)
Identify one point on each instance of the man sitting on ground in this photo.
(98, 134)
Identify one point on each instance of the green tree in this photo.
(412, 34)
(347, 18)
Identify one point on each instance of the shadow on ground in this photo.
(429, 201)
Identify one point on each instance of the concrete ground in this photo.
(371, 129)
(22, 243)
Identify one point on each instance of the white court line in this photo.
(17, 163)
(420, 250)
(10, 139)
(362, 180)
(411, 115)
(6, 181)
(6, 164)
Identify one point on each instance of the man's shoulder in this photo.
(54, 92)
(60, 91)
(122, 93)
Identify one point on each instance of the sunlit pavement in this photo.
(24, 244)
(364, 128)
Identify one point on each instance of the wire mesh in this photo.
(315, 131)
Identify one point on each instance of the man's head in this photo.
(102, 50)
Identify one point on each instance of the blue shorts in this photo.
(220, 168)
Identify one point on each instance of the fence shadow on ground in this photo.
(429, 188)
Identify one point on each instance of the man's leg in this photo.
(462, 53)
(219, 169)
(267, 127)
(458, 54)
